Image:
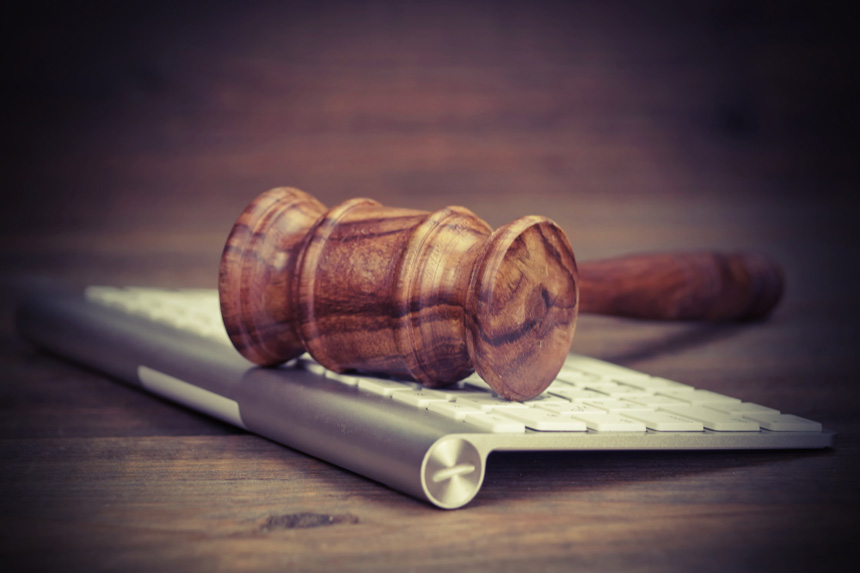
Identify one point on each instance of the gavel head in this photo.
(405, 293)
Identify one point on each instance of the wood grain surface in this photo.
(136, 134)
(257, 274)
(683, 286)
(412, 294)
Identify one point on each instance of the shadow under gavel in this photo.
(434, 296)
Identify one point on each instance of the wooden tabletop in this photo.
(137, 135)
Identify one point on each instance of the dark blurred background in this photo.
(135, 132)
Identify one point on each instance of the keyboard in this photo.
(429, 443)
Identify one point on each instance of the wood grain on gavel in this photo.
(434, 296)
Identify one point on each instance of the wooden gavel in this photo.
(434, 296)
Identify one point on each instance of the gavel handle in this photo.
(682, 286)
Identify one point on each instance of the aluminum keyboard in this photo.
(430, 443)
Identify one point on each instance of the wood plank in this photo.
(245, 503)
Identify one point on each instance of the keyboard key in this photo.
(545, 399)
(604, 369)
(342, 378)
(420, 398)
(475, 382)
(656, 384)
(311, 366)
(697, 397)
(454, 392)
(545, 421)
(738, 409)
(466, 393)
(453, 410)
(666, 422)
(783, 422)
(194, 321)
(381, 386)
(654, 401)
(610, 405)
(606, 422)
(568, 407)
(489, 403)
(564, 384)
(614, 390)
(216, 333)
(568, 374)
(712, 419)
(605, 387)
(496, 423)
(575, 394)
(160, 314)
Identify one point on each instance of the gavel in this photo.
(433, 297)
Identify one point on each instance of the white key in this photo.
(174, 317)
(697, 397)
(489, 403)
(477, 382)
(206, 321)
(610, 405)
(311, 366)
(738, 409)
(603, 369)
(161, 314)
(381, 386)
(496, 423)
(656, 383)
(606, 422)
(466, 393)
(666, 422)
(217, 333)
(576, 394)
(420, 398)
(603, 386)
(713, 420)
(316, 369)
(545, 421)
(454, 392)
(342, 378)
(567, 407)
(616, 390)
(569, 374)
(655, 401)
(783, 422)
(545, 399)
(564, 384)
(453, 410)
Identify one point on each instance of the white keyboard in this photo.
(175, 344)
(587, 395)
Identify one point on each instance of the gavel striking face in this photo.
(433, 296)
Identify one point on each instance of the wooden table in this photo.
(139, 135)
